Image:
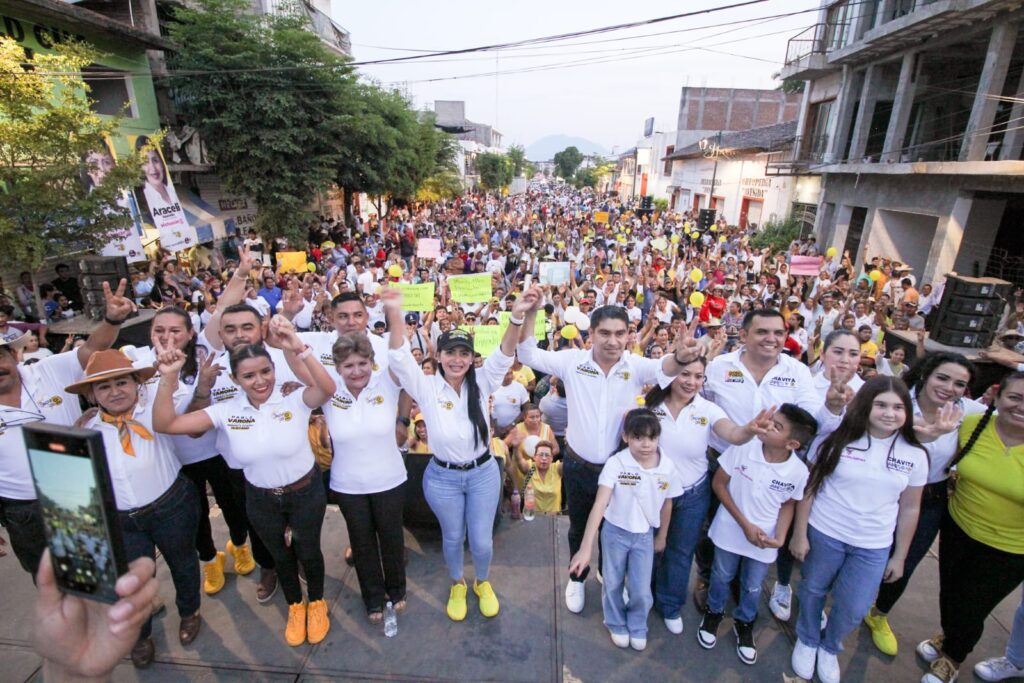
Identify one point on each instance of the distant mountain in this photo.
(545, 148)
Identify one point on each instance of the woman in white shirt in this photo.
(268, 436)
(687, 419)
(368, 473)
(462, 483)
(865, 485)
(158, 506)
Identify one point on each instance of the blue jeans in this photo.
(724, 570)
(1015, 646)
(465, 500)
(169, 524)
(851, 574)
(628, 560)
(672, 573)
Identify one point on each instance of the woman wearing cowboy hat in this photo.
(158, 506)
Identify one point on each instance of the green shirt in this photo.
(989, 500)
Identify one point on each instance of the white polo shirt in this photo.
(508, 403)
(730, 385)
(366, 457)
(322, 344)
(269, 443)
(140, 479)
(859, 502)
(685, 439)
(446, 411)
(943, 449)
(597, 402)
(42, 399)
(759, 489)
(187, 449)
(638, 493)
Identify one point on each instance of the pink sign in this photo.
(428, 248)
(804, 265)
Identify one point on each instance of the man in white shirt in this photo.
(601, 385)
(509, 400)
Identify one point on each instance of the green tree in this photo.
(776, 235)
(517, 156)
(567, 161)
(270, 100)
(47, 132)
(495, 170)
(586, 177)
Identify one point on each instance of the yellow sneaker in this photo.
(244, 563)
(295, 631)
(318, 623)
(881, 634)
(488, 600)
(213, 574)
(457, 602)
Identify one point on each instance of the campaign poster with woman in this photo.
(161, 199)
(128, 243)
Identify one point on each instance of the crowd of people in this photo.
(677, 392)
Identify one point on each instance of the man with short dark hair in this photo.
(68, 286)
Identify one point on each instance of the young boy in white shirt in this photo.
(634, 497)
(758, 484)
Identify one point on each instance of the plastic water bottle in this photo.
(529, 503)
(516, 504)
(390, 621)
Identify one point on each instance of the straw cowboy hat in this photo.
(104, 365)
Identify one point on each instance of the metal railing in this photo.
(328, 31)
(818, 39)
(803, 153)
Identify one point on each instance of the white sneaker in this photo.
(997, 669)
(931, 649)
(620, 639)
(638, 644)
(779, 604)
(675, 627)
(803, 660)
(575, 596)
(828, 667)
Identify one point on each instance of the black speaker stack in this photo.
(93, 271)
(705, 219)
(970, 311)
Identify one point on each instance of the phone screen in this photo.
(78, 514)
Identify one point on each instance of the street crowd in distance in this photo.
(689, 403)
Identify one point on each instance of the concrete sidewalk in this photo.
(534, 639)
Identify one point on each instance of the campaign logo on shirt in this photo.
(897, 464)
(447, 405)
(283, 415)
(375, 400)
(327, 359)
(660, 412)
(51, 402)
(663, 484)
(628, 479)
(734, 377)
(850, 454)
(342, 402)
(742, 471)
(781, 486)
(699, 420)
(240, 422)
(783, 382)
(622, 374)
(587, 369)
(223, 394)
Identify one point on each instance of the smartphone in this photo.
(69, 469)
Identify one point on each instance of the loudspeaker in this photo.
(705, 219)
(93, 272)
(970, 310)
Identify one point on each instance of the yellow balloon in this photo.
(659, 243)
(722, 239)
(875, 276)
(675, 239)
(713, 228)
(695, 235)
(696, 299)
(395, 271)
(696, 275)
(560, 244)
(672, 274)
(570, 332)
(311, 267)
(830, 252)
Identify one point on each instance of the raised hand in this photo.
(281, 333)
(118, 306)
(838, 394)
(762, 422)
(391, 298)
(947, 418)
(686, 342)
(245, 262)
(292, 301)
(169, 360)
(209, 371)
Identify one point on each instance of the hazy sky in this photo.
(606, 101)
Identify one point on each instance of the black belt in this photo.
(145, 509)
(592, 466)
(297, 485)
(473, 464)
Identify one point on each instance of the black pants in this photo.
(374, 522)
(259, 551)
(934, 509)
(217, 473)
(580, 489)
(973, 579)
(23, 520)
(301, 511)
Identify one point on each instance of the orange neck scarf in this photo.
(125, 427)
